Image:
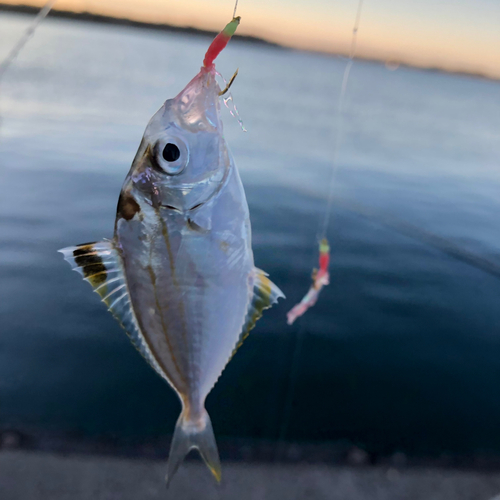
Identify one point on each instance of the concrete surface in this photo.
(39, 476)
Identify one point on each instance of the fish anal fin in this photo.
(100, 264)
(265, 294)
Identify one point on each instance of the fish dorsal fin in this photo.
(100, 264)
(265, 294)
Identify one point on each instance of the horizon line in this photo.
(90, 17)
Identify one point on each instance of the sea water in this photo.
(401, 352)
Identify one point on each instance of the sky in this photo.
(454, 35)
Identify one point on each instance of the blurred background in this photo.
(389, 385)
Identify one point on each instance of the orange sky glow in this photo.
(459, 36)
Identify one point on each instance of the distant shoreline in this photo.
(120, 21)
(101, 19)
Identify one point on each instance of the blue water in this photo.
(402, 352)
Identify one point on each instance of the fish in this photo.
(179, 274)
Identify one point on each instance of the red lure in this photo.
(320, 278)
(220, 42)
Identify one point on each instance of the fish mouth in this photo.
(198, 103)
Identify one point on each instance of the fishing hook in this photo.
(228, 86)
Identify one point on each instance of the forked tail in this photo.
(191, 434)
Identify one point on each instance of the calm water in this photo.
(402, 352)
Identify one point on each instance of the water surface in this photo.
(402, 352)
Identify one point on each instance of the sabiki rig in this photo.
(320, 278)
(179, 273)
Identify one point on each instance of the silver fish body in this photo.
(191, 278)
(179, 273)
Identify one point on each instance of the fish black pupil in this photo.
(171, 152)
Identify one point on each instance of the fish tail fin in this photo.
(191, 434)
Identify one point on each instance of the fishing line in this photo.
(340, 123)
(290, 393)
(28, 33)
(428, 238)
(235, 9)
(405, 228)
(292, 368)
(299, 340)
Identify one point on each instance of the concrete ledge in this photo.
(41, 476)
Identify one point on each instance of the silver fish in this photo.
(179, 273)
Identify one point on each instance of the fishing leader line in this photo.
(28, 33)
(340, 122)
(320, 275)
(299, 337)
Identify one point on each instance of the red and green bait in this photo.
(220, 42)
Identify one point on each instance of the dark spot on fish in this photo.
(171, 207)
(191, 224)
(127, 206)
(91, 264)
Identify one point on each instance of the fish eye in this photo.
(171, 152)
(170, 155)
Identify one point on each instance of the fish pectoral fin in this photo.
(100, 265)
(265, 294)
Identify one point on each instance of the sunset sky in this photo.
(458, 35)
